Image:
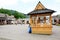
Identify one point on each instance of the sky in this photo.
(26, 6)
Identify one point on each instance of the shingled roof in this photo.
(40, 9)
(43, 11)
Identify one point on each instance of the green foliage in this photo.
(5, 11)
(58, 24)
(16, 14)
(58, 16)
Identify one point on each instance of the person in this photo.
(30, 28)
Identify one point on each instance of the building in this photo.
(38, 24)
(6, 19)
(56, 19)
(3, 18)
(10, 19)
(23, 21)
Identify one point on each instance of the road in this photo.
(20, 32)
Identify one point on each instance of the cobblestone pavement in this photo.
(20, 32)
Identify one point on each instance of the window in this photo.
(33, 20)
(42, 19)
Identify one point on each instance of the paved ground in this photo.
(20, 32)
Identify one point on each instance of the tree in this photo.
(16, 14)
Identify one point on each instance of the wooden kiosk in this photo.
(38, 20)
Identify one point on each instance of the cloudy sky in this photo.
(26, 6)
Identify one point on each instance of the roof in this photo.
(39, 6)
(57, 16)
(6, 17)
(2, 18)
(40, 9)
(10, 17)
(2, 15)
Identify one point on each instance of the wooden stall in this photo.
(38, 20)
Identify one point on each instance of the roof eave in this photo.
(41, 13)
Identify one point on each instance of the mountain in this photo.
(16, 14)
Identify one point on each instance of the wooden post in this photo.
(36, 20)
(50, 19)
(1, 22)
(5, 22)
(30, 19)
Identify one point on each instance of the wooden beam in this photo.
(48, 14)
(30, 19)
(50, 19)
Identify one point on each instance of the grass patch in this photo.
(58, 24)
